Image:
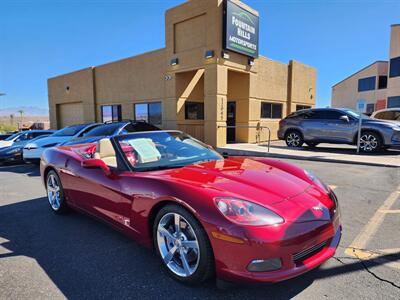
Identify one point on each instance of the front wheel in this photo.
(370, 142)
(294, 139)
(183, 245)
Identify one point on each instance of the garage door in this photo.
(70, 114)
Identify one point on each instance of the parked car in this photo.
(244, 219)
(20, 138)
(33, 151)
(3, 136)
(339, 126)
(111, 129)
(391, 114)
(14, 153)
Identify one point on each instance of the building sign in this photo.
(361, 106)
(240, 30)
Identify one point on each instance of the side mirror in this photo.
(345, 119)
(95, 163)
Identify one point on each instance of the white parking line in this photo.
(392, 211)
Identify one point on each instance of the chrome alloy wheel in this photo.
(53, 192)
(368, 143)
(293, 139)
(178, 245)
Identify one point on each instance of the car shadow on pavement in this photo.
(27, 169)
(86, 259)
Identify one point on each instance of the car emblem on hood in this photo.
(317, 208)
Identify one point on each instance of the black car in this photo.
(4, 136)
(111, 129)
(14, 153)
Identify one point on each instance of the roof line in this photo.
(378, 61)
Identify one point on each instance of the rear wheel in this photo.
(183, 245)
(55, 193)
(293, 138)
(370, 142)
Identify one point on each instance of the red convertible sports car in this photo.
(239, 218)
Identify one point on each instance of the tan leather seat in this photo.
(105, 151)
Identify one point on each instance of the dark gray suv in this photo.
(338, 126)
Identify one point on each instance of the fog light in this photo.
(261, 265)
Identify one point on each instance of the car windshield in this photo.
(104, 130)
(148, 151)
(355, 114)
(12, 137)
(69, 131)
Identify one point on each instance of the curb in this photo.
(235, 152)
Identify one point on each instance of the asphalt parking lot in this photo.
(45, 256)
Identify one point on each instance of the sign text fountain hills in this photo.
(241, 30)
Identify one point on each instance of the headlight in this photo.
(246, 213)
(50, 145)
(13, 151)
(314, 178)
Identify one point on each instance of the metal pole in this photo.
(359, 134)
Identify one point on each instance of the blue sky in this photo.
(44, 38)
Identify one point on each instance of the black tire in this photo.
(294, 139)
(205, 265)
(62, 207)
(370, 142)
(312, 144)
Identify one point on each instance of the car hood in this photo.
(5, 144)
(382, 122)
(48, 141)
(248, 179)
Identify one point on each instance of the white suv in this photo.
(391, 114)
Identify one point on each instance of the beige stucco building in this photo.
(193, 84)
(378, 84)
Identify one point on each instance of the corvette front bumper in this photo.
(300, 249)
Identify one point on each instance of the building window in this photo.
(382, 82)
(149, 112)
(370, 108)
(111, 113)
(366, 84)
(394, 67)
(393, 102)
(194, 110)
(300, 107)
(271, 110)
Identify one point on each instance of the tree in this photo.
(12, 119)
(21, 112)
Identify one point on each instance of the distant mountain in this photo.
(31, 111)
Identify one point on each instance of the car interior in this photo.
(105, 151)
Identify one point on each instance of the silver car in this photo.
(337, 126)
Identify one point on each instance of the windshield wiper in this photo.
(203, 161)
(158, 168)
